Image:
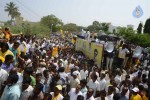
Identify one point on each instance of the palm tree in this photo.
(12, 10)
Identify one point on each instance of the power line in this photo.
(28, 9)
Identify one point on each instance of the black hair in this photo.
(116, 96)
(3, 44)
(28, 70)
(61, 69)
(6, 29)
(27, 80)
(94, 75)
(8, 57)
(80, 97)
(16, 43)
(14, 77)
(83, 81)
(38, 74)
(45, 71)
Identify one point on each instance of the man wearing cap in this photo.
(56, 95)
(135, 95)
(74, 81)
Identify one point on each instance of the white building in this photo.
(130, 26)
(112, 28)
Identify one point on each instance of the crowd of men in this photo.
(50, 69)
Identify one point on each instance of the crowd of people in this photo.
(50, 68)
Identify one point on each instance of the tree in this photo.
(105, 27)
(147, 26)
(139, 29)
(51, 21)
(12, 10)
(71, 27)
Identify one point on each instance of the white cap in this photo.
(135, 89)
(75, 73)
(43, 63)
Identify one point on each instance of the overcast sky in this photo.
(81, 12)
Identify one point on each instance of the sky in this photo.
(81, 12)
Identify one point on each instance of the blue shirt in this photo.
(11, 93)
(7, 67)
(15, 52)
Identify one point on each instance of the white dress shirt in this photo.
(26, 93)
(3, 76)
(93, 85)
(83, 74)
(73, 95)
(102, 85)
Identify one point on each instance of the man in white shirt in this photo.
(93, 83)
(27, 89)
(89, 95)
(74, 81)
(84, 73)
(3, 75)
(110, 93)
(102, 82)
(122, 54)
(74, 92)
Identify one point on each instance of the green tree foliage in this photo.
(129, 35)
(94, 27)
(147, 26)
(52, 22)
(40, 30)
(71, 27)
(12, 10)
(139, 29)
(104, 27)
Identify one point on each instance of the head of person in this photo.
(57, 90)
(16, 45)
(80, 97)
(61, 69)
(75, 74)
(135, 90)
(46, 74)
(9, 59)
(123, 46)
(103, 75)
(90, 93)
(78, 88)
(103, 94)
(12, 79)
(83, 83)
(110, 90)
(124, 91)
(94, 77)
(4, 47)
(6, 29)
(47, 96)
(116, 96)
(38, 88)
(26, 82)
(38, 77)
(84, 67)
(27, 71)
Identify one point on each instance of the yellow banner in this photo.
(92, 50)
